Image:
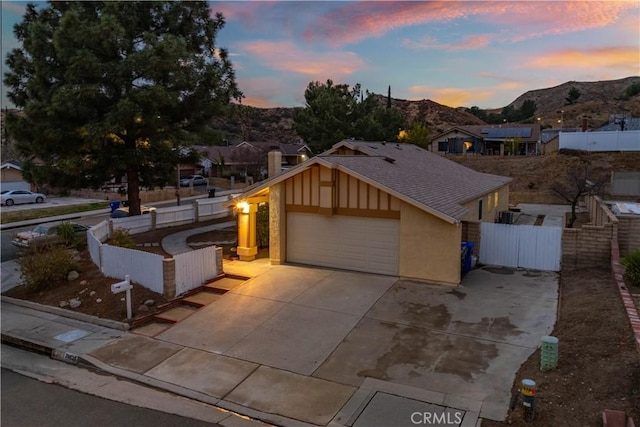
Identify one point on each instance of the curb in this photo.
(87, 318)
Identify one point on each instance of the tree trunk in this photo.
(133, 191)
(572, 218)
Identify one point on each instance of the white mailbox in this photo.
(124, 286)
(116, 288)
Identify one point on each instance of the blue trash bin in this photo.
(467, 251)
(114, 205)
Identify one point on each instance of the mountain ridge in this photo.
(597, 101)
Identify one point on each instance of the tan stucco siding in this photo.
(330, 192)
(492, 203)
(429, 247)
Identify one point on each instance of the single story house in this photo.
(488, 139)
(11, 177)
(376, 207)
(249, 157)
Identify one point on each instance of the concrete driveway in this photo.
(325, 346)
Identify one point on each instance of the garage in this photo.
(346, 242)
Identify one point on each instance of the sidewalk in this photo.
(71, 340)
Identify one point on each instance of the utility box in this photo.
(506, 217)
(549, 353)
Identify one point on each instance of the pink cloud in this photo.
(358, 21)
(625, 59)
(456, 97)
(452, 97)
(471, 42)
(286, 56)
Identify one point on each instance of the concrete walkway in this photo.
(176, 243)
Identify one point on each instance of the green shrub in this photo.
(42, 265)
(67, 234)
(121, 237)
(631, 262)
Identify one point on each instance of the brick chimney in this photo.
(275, 162)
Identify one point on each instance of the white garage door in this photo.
(352, 243)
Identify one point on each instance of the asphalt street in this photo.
(28, 402)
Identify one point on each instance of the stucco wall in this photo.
(429, 247)
(492, 203)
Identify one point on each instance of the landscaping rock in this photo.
(83, 282)
(74, 303)
(99, 300)
(92, 293)
(63, 304)
(143, 309)
(73, 275)
(150, 303)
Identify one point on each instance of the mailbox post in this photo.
(124, 286)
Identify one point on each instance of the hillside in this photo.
(532, 176)
(597, 101)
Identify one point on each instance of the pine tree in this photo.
(112, 88)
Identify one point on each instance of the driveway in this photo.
(319, 345)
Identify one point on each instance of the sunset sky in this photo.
(483, 53)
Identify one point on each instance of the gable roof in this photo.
(215, 152)
(421, 178)
(526, 132)
(11, 164)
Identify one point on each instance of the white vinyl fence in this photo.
(143, 267)
(601, 141)
(135, 224)
(212, 208)
(194, 268)
(175, 215)
(526, 246)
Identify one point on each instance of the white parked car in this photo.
(14, 197)
(193, 180)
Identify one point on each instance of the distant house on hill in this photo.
(512, 139)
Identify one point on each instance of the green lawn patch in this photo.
(25, 215)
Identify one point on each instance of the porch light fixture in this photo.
(243, 207)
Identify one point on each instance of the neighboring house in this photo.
(488, 139)
(376, 207)
(11, 178)
(249, 157)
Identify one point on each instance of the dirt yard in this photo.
(599, 365)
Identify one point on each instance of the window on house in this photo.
(443, 146)
(480, 210)
(496, 199)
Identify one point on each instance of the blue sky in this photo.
(452, 52)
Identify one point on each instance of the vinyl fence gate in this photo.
(526, 246)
